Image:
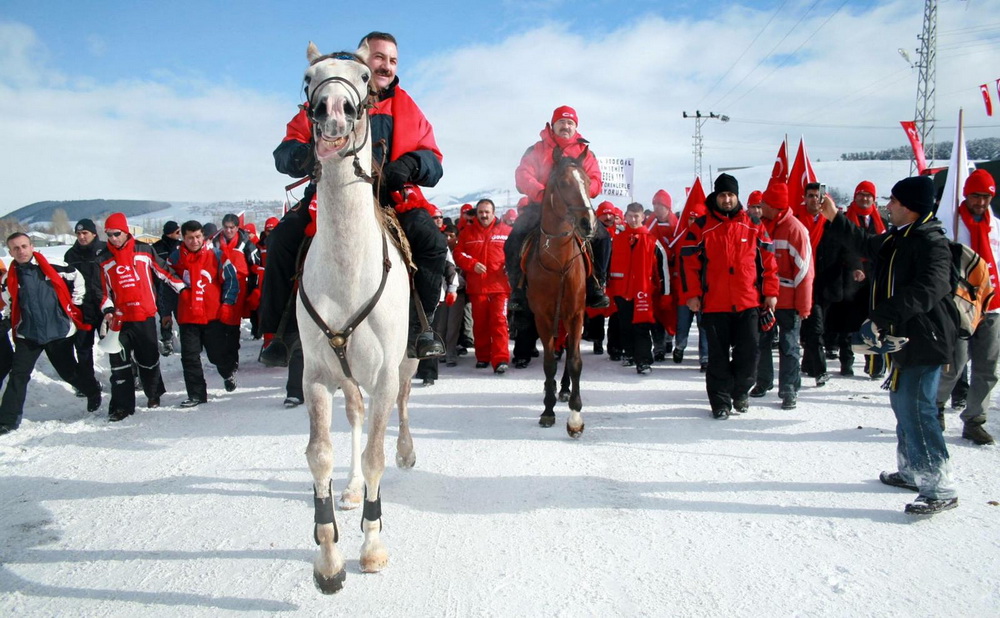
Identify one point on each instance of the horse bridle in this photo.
(567, 217)
(362, 103)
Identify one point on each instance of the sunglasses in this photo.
(114, 234)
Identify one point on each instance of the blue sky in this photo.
(200, 91)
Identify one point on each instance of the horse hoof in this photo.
(564, 397)
(349, 501)
(374, 561)
(406, 462)
(547, 420)
(330, 585)
(574, 433)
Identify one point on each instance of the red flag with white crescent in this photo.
(918, 148)
(695, 200)
(801, 174)
(987, 99)
(780, 169)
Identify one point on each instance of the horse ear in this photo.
(364, 51)
(312, 52)
(583, 155)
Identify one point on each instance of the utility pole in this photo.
(927, 77)
(699, 120)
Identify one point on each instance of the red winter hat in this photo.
(116, 221)
(564, 112)
(467, 207)
(521, 203)
(435, 211)
(866, 186)
(510, 216)
(776, 195)
(754, 198)
(270, 224)
(663, 199)
(980, 181)
(605, 208)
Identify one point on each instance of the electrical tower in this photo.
(927, 77)
(699, 120)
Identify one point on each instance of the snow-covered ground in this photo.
(657, 510)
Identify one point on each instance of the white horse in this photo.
(349, 270)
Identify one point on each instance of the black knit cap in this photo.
(915, 193)
(170, 227)
(85, 224)
(726, 183)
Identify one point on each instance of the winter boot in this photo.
(596, 298)
(930, 506)
(976, 432)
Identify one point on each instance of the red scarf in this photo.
(855, 213)
(979, 238)
(631, 271)
(128, 291)
(200, 304)
(58, 284)
(816, 228)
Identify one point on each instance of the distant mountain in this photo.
(85, 209)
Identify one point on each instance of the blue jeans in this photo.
(684, 318)
(789, 376)
(921, 452)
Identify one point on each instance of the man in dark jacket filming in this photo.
(913, 320)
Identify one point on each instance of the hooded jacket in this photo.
(87, 259)
(537, 162)
(727, 260)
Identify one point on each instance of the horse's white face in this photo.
(337, 88)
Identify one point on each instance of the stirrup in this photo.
(427, 345)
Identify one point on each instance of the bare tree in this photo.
(8, 226)
(60, 222)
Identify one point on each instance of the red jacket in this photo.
(483, 245)
(536, 164)
(794, 260)
(127, 284)
(728, 262)
(212, 283)
(634, 274)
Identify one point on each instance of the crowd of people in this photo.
(812, 281)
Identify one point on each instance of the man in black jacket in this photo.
(914, 321)
(42, 301)
(86, 256)
(168, 243)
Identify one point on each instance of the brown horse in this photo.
(556, 271)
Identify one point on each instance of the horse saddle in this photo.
(531, 243)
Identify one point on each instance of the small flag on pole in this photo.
(986, 97)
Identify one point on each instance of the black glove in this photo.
(396, 173)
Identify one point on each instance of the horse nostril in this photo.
(349, 110)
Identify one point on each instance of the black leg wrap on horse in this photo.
(323, 514)
(372, 511)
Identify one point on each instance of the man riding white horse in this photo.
(403, 145)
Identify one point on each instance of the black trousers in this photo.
(6, 354)
(83, 344)
(637, 339)
(813, 327)
(139, 344)
(428, 244)
(26, 353)
(214, 339)
(526, 339)
(732, 355)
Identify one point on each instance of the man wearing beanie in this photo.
(663, 226)
(531, 176)
(793, 255)
(848, 315)
(129, 303)
(728, 273)
(977, 228)
(168, 243)
(86, 256)
(913, 320)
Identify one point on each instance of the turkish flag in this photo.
(802, 174)
(780, 169)
(918, 148)
(695, 202)
(986, 97)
